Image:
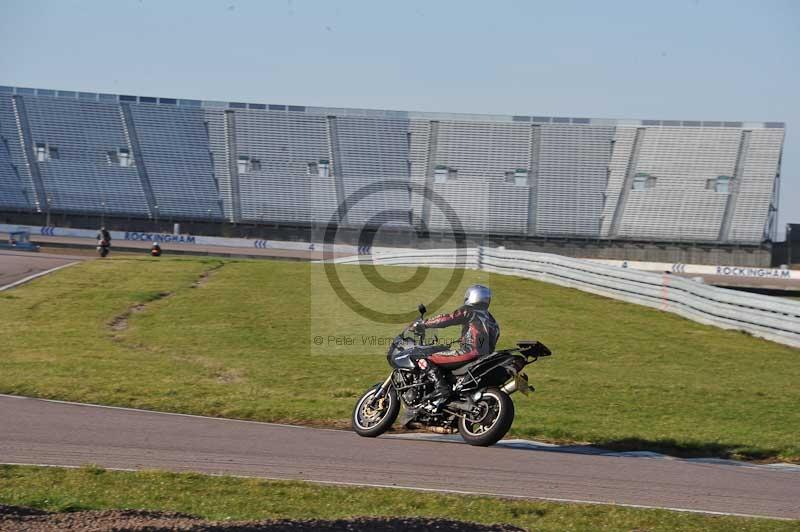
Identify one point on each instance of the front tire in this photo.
(371, 421)
(492, 420)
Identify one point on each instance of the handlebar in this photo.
(419, 335)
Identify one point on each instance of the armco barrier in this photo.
(168, 238)
(764, 316)
(741, 272)
(435, 258)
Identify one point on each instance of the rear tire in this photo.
(496, 417)
(372, 422)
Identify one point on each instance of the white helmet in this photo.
(478, 295)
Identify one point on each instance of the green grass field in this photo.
(229, 498)
(240, 343)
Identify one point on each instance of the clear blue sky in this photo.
(679, 59)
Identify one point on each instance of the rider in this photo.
(479, 334)
(104, 236)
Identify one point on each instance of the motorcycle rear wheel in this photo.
(371, 421)
(495, 418)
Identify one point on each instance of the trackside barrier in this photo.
(435, 258)
(169, 238)
(741, 272)
(763, 316)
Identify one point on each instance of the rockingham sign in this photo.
(160, 237)
(701, 269)
(774, 273)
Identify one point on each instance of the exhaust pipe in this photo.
(442, 430)
(510, 387)
(461, 405)
(518, 383)
(416, 425)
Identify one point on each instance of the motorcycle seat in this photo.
(462, 370)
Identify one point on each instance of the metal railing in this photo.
(767, 317)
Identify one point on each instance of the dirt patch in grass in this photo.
(120, 323)
(214, 370)
(14, 518)
(204, 277)
(230, 376)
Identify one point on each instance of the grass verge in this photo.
(239, 339)
(231, 498)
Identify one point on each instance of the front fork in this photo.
(381, 391)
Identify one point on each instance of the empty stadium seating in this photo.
(273, 163)
(84, 177)
(12, 148)
(175, 151)
(373, 151)
(280, 187)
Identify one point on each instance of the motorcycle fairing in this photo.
(401, 359)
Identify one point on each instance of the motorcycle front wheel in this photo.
(490, 421)
(371, 420)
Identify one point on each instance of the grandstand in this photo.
(148, 158)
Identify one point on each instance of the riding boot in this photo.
(442, 390)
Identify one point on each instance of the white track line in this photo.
(434, 490)
(36, 276)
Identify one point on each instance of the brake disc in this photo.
(371, 413)
(482, 414)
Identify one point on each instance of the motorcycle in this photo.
(479, 408)
(103, 247)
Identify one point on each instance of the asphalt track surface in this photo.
(17, 265)
(45, 432)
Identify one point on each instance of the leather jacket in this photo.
(479, 334)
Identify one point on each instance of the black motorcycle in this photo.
(103, 247)
(479, 407)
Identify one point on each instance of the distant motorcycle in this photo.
(103, 247)
(480, 407)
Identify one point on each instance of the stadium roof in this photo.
(379, 113)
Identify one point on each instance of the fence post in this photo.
(665, 290)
